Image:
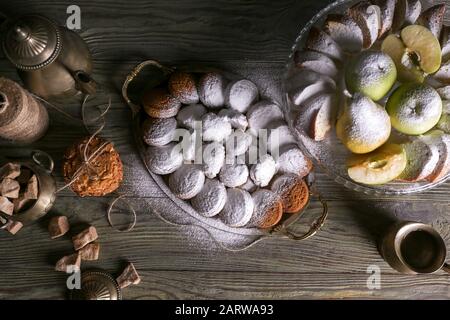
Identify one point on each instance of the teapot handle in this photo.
(84, 82)
(43, 160)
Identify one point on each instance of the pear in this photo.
(378, 167)
(363, 125)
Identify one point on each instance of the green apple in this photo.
(363, 125)
(372, 73)
(378, 167)
(414, 108)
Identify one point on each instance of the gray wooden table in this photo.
(248, 37)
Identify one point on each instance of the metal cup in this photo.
(414, 248)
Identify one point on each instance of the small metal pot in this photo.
(414, 248)
(41, 164)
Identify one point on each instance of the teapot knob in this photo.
(21, 32)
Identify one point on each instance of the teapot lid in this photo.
(32, 42)
(96, 285)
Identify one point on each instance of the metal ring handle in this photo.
(134, 73)
(315, 227)
(51, 164)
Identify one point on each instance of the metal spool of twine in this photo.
(23, 119)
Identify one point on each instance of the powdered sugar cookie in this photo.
(213, 159)
(159, 103)
(261, 114)
(211, 199)
(238, 143)
(238, 209)
(158, 132)
(263, 171)
(164, 160)
(249, 186)
(211, 89)
(280, 137)
(241, 94)
(293, 191)
(215, 128)
(268, 209)
(189, 115)
(293, 160)
(187, 181)
(236, 119)
(234, 175)
(182, 85)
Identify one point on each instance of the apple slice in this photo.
(321, 122)
(442, 141)
(394, 47)
(422, 160)
(301, 94)
(378, 167)
(345, 31)
(321, 42)
(445, 42)
(433, 19)
(444, 122)
(443, 74)
(387, 9)
(406, 12)
(368, 18)
(316, 61)
(421, 42)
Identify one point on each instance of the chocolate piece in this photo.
(10, 188)
(58, 226)
(67, 261)
(90, 252)
(10, 170)
(14, 227)
(25, 176)
(128, 277)
(22, 204)
(83, 238)
(32, 190)
(6, 206)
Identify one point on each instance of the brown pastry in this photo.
(159, 103)
(268, 209)
(182, 85)
(103, 175)
(293, 191)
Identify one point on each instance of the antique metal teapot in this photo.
(52, 61)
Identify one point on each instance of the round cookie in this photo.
(159, 103)
(238, 143)
(187, 181)
(261, 114)
(189, 115)
(234, 175)
(159, 131)
(213, 159)
(182, 86)
(263, 171)
(268, 209)
(215, 128)
(241, 94)
(211, 89)
(293, 160)
(211, 199)
(164, 160)
(293, 191)
(236, 119)
(238, 209)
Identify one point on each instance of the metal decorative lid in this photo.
(32, 42)
(97, 285)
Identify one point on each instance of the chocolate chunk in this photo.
(86, 236)
(25, 176)
(58, 226)
(32, 190)
(13, 227)
(6, 206)
(10, 170)
(22, 204)
(128, 277)
(10, 188)
(90, 252)
(65, 262)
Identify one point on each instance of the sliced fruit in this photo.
(421, 42)
(317, 62)
(443, 74)
(395, 48)
(345, 32)
(368, 18)
(445, 42)
(378, 167)
(444, 121)
(301, 94)
(406, 12)
(304, 77)
(442, 141)
(414, 108)
(432, 19)
(321, 42)
(444, 92)
(422, 160)
(364, 125)
(321, 122)
(387, 9)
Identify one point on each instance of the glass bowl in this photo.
(330, 154)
